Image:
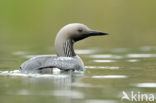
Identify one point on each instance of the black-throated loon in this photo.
(66, 58)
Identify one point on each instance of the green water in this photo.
(122, 61)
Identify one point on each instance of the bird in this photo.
(66, 59)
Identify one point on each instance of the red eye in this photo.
(80, 30)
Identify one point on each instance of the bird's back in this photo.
(46, 63)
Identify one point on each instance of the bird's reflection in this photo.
(59, 86)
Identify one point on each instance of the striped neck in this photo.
(68, 48)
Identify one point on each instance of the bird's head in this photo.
(77, 31)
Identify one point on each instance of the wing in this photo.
(31, 65)
(64, 63)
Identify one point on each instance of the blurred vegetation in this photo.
(35, 23)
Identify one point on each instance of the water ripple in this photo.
(87, 51)
(17, 73)
(100, 101)
(101, 67)
(141, 55)
(68, 93)
(86, 85)
(64, 93)
(106, 56)
(147, 48)
(106, 61)
(133, 60)
(109, 76)
(147, 85)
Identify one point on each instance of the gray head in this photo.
(70, 34)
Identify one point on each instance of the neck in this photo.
(68, 48)
(65, 48)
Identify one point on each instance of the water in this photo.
(106, 76)
(115, 64)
